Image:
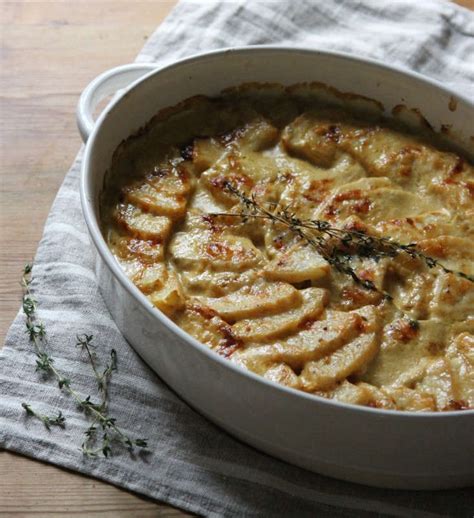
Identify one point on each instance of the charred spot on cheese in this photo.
(257, 293)
(404, 330)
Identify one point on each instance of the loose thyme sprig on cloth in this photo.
(337, 246)
(48, 421)
(102, 423)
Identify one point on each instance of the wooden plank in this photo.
(32, 488)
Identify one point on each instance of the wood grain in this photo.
(28, 487)
(49, 52)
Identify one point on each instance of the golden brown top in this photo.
(257, 292)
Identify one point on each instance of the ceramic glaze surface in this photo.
(371, 446)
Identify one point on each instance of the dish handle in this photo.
(102, 86)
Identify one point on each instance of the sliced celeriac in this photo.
(316, 340)
(206, 152)
(321, 374)
(268, 327)
(283, 374)
(312, 139)
(460, 358)
(147, 251)
(143, 225)
(347, 392)
(300, 263)
(163, 192)
(199, 250)
(170, 297)
(150, 199)
(198, 321)
(254, 301)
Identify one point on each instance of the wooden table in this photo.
(49, 52)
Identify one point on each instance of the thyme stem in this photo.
(48, 421)
(335, 245)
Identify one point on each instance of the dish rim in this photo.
(93, 226)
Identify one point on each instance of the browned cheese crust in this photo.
(255, 293)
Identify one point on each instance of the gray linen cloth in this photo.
(193, 464)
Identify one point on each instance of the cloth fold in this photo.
(192, 464)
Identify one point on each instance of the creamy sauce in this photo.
(255, 293)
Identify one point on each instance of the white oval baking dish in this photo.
(369, 446)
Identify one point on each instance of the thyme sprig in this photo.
(48, 421)
(103, 378)
(337, 246)
(97, 411)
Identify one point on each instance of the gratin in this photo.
(258, 293)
